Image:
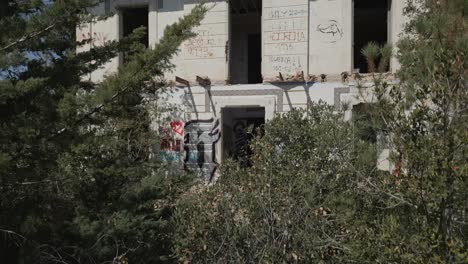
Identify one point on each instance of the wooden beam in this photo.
(203, 81)
(281, 77)
(182, 81)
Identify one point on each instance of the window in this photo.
(370, 24)
(245, 51)
(133, 18)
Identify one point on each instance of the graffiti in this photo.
(100, 39)
(287, 63)
(288, 25)
(171, 142)
(293, 36)
(204, 44)
(332, 29)
(284, 47)
(286, 39)
(200, 141)
(286, 12)
(81, 36)
(177, 127)
(201, 52)
(97, 38)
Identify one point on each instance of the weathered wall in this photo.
(330, 49)
(285, 37)
(200, 113)
(314, 36)
(205, 54)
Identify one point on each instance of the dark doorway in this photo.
(133, 18)
(370, 24)
(255, 58)
(240, 126)
(245, 42)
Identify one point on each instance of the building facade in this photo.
(251, 60)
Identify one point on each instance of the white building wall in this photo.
(313, 36)
(310, 36)
(331, 37)
(285, 37)
(397, 22)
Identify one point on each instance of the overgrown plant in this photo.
(378, 57)
(371, 51)
(76, 178)
(425, 115)
(296, 203)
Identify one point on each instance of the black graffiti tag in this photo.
(333, 28)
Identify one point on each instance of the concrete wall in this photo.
(314, 36)
(285, 37)
(331, 37)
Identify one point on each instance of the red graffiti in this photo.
(177, 127)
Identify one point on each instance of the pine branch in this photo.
(28, 37)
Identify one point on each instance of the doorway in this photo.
(240, 126)
(133, 18)
(245, 42)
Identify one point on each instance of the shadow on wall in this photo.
(178, 5)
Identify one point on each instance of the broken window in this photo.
(245, 42)
(370, 24)
(240, 126)
(133, 18)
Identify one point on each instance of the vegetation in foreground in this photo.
(77, 184)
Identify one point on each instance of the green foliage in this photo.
(373, 53)
(77, 180)
(426, 117)
(313, 193)
(294, 203)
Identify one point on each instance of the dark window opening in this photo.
(133, 18)
(240, 126)
(370, 24)
(245, 54)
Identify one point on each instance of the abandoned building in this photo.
(250, 60)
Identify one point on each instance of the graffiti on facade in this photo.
(96, 38)
(286, 39)
(332, 30)
(100, 39)
(171, 141)
(205, 44)
(177, 127)
(200, 141)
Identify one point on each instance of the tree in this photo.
(77, 181)
(313, 193)
(425, 116)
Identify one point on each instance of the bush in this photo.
(294, 204)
